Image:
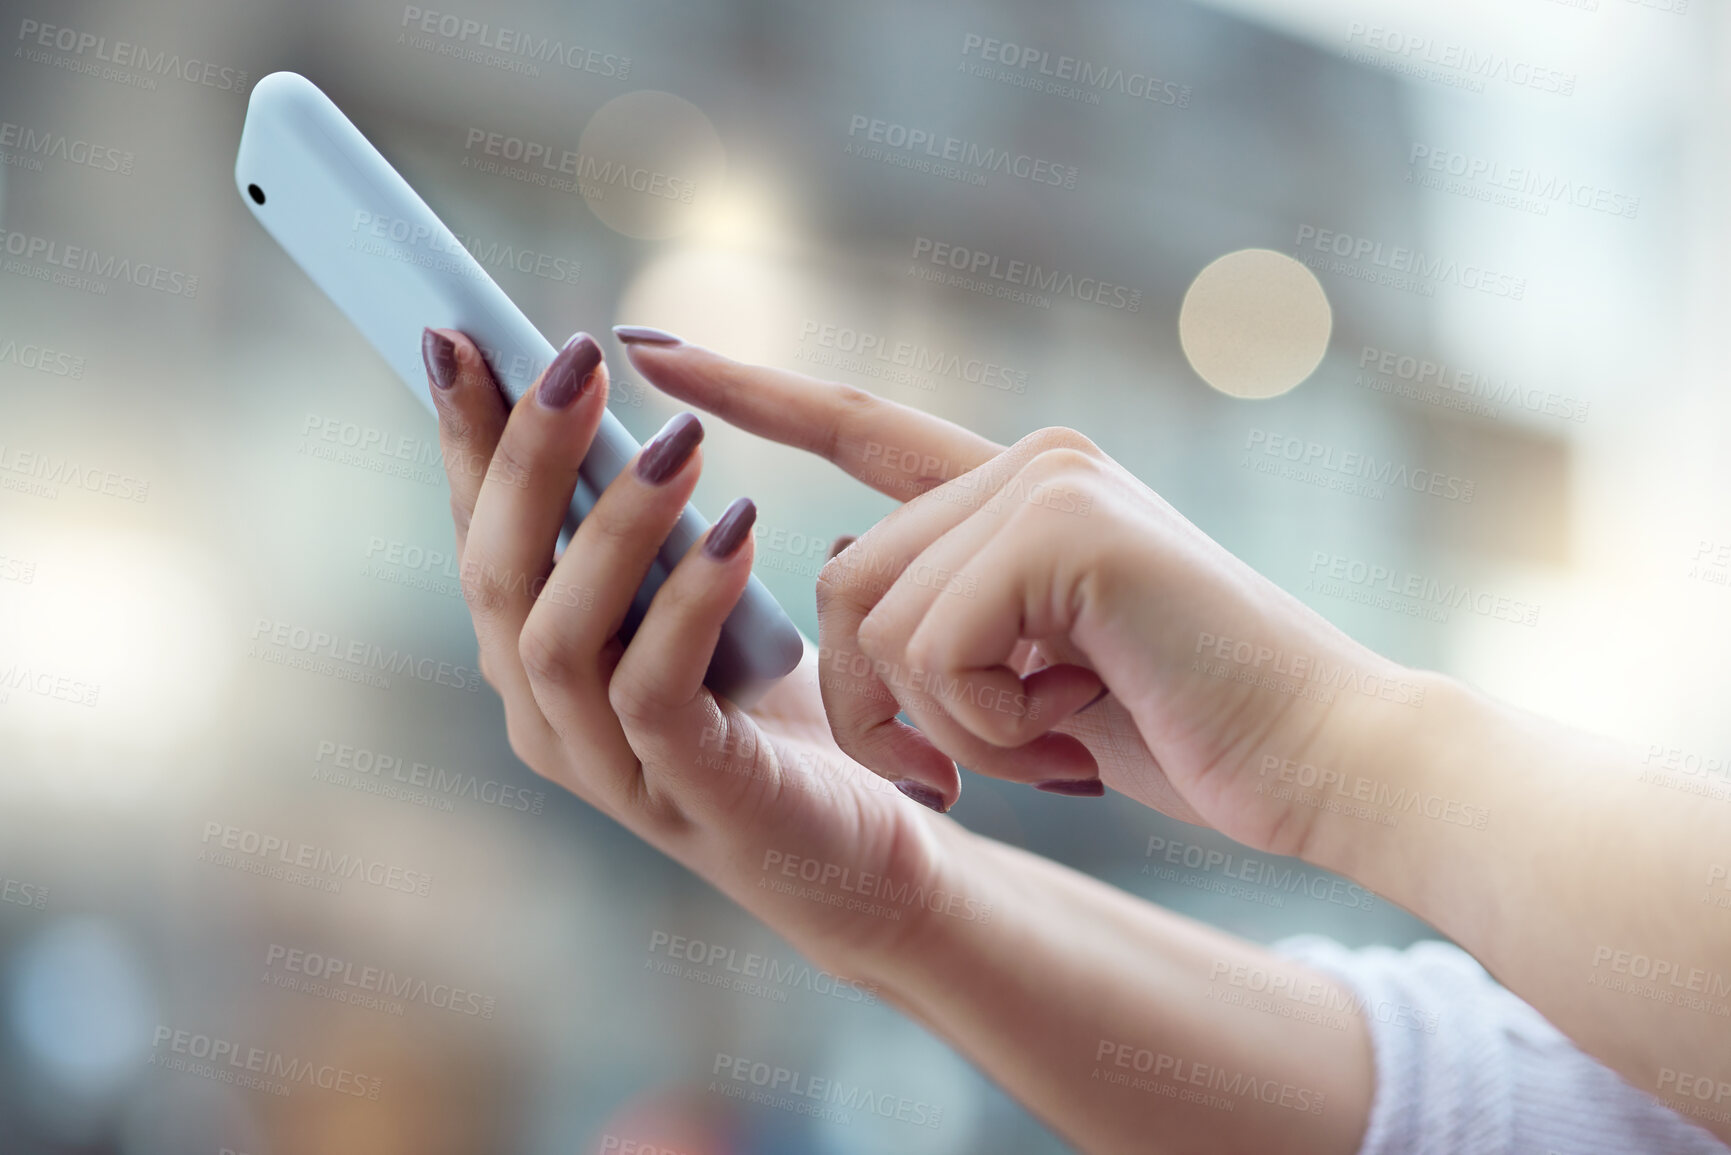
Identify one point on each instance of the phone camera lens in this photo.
(256, 193)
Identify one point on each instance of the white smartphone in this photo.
(380, 254)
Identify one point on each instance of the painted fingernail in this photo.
(669, 449)
(644, 335)
(840, 544)
(1082, 788)
(440, 354)
(568, 375)
(1096, 699)
(922, 794)
(730, 530)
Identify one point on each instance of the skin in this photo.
(1013, 586)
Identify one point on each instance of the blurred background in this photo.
(199, 459)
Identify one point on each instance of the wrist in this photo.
(897, 928)
(955, 902)
(1410, 809)
(1379, 771)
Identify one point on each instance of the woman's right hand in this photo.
(1015, 583)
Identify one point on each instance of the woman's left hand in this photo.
(760, 802)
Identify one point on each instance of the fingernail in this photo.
(669, 449)
(644, 335)
(840, 544)
(1076, 788)
(1096, 699)
(729, 532)
(569, 373)
(440, 354)
(922, 794)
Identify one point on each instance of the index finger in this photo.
(897, 450)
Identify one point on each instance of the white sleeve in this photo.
(1463, 1067)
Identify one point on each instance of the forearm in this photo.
(1129, 1028)
(1584, 889)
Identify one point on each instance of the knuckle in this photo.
(486, 595)
(851, 406)
(834, 579)
(615, 526)
(1058, 437)
(1066, 462)
(631, 703)
(545, 658)
(875, 636)
(461, 514)
(458, 429)
(510, 465)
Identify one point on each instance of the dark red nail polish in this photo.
(668, 450)
(644, 335)
(566, 377)
(1096, 699)
(729, 532)
(922, 794)
(440, 354)
(1083, 788)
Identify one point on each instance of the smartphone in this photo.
(354, 225)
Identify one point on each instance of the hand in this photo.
(1014, 583)
(759, 802)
